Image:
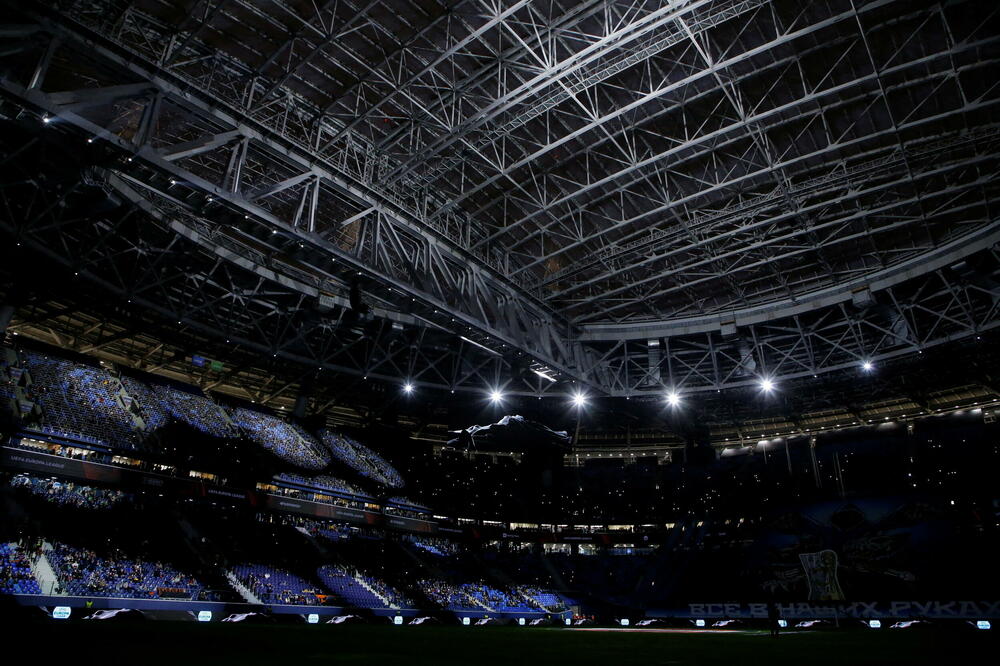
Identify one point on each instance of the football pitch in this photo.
(179, 643)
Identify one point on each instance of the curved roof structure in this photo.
(632, 195)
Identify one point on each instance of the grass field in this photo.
(176, 643)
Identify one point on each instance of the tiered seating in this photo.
(320, 482)
(346, 586)
(545, 599)
(79, 401)
(331, 532)
(15, 571)
(83, 572)
(496, 599)
(361, 459)
(286, 440)
(67, 493)
(476, 596)
(438, 547)
(153, 414)
(198, 411)
(277, 586)
(448, 596)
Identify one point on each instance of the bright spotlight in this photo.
(407, 388)
(579, 399)
(867, 366)
(496, 396)
(673, 399)
(46, 120)
(767, 385)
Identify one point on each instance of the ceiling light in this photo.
(544, 375)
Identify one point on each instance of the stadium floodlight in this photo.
(496, 396)
(767, 384)
(867, 366)
(46, 120)
(579, 400)
(407, 387)
(673, 398)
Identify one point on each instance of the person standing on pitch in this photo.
(772, 619)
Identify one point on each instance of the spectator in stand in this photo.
(16, 576)
(277, 586)
(80, 401)
(194, 409)
(67, 493)
(362, 459)
(82, 571)
(287, 441)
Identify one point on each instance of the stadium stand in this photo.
(67, 493)
(15, 571)
(194, 409)
(330, 531)
(80, 401)
(361, 458)
(361, 590)
(152, 413)
(277, 586)
(449, 596)
(496, 599)
(285, 440)
(82, 571)
(434, 546)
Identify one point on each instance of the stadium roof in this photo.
(631, 195)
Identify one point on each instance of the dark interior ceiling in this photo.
(680, 195)
(638, 160)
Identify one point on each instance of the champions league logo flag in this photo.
(821, 573)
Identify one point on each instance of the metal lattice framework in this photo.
(632, 195)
